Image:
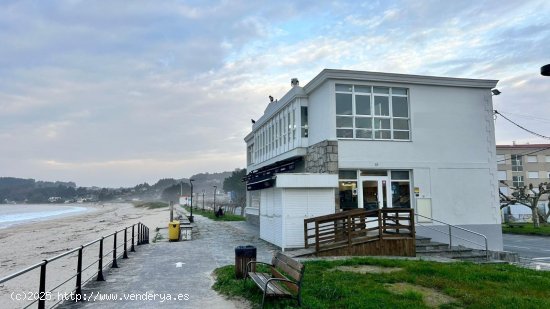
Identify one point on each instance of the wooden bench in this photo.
(277, 284)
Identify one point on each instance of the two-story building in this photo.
(354, 139)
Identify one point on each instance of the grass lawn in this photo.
(210, 215)
(467, 285)
(526, 229)
(150, 205)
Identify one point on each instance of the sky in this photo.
(116, 93)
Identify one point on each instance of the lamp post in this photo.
(214, 208)
(203, 199)
(191, 216)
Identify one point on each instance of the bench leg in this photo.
(263, 300)
(299, 300)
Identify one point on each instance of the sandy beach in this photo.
(27, 244)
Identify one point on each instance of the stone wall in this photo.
(322, 158)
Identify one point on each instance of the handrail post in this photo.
(316, 236)
(486, 248)
(305, 235)
(114, 265)
(349, 232)
(380, 231)
(125, 255)
(132, 246)
(78, 291)
(42, 287)
(100, 261)
(450, 238)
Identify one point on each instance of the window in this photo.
(401, 189)
(517, 163)
(303, 117)
(249, 154)
(533, 175)
(517, 181)
(501, 175)
(347, 189)
(370, 112)
(501, 159)
(547, 159)
(532, 159)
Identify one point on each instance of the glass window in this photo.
(400, 108)
(384, 90)
(362, 105)
(404, 135)
(360, 133)
(344, 133)
(303, 115)
(343, 87)
(364, 123)
(399, 91)
(382, 134)
(364, 89)
(532, 159)
(517, 181)
(547, 159)
(400, 175)
(381, 106)
(381, 123)
(401, 124)
(347, 192)
(517, 163)
(344, 122)
(501, 175)
(401, 194)
(343, 174)
(532, 175)
(501, 159)
(343, 104)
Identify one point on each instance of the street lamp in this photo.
(203, 190)
(191, 216)
(545, 70)
(215, 188)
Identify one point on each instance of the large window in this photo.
(517, 181)
(401, 189)
(517, 163)
(370, 112)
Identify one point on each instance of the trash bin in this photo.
(243, 255)
(173, 231)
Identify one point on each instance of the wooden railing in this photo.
(358, 226)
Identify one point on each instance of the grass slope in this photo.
(526, 229)
(472, 285)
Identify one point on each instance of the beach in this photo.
(23, 245)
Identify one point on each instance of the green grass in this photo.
(210, 215)
(526, 229)
(150, 205)
(472, 285)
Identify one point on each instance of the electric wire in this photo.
(521, 127)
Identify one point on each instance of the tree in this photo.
(235, 183)
(529, 197)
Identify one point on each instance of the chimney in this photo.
(294, 82)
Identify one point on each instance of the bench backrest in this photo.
(292, 269)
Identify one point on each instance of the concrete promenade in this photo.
(152, 269)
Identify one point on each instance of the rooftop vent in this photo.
(294, 82)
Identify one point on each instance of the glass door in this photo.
(375, 192)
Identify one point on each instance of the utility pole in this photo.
(191, 216)
(214, 208)
(203, 190)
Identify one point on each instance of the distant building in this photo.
(354, 139)
(519, 166)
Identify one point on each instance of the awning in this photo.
(265, 177)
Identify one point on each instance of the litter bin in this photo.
(173, 231)
(243, 255)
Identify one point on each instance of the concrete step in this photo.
(423, 240)
(431, 246)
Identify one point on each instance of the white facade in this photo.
(402, 141)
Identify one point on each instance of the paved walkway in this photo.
(152, 269)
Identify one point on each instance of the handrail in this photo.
(142, 238)
(460, 228)
(350, 228)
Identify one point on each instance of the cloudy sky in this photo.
(115, 93)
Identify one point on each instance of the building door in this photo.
(374, 192)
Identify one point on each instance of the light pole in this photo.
(203, 199)
(214, 208)
(191, 216)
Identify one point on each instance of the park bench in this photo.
(286, 283)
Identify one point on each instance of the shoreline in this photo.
(79, 209)
(24, 245)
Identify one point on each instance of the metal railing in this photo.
(450, 234)
(141, 238)
(357, 226)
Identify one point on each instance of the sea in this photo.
(14, 214)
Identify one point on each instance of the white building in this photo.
(352, 139)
